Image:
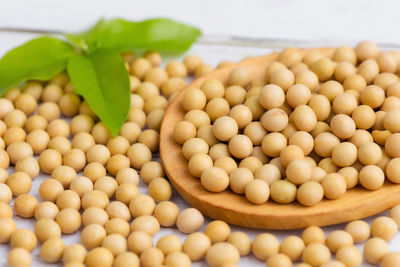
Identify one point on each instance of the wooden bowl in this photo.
(235, 209)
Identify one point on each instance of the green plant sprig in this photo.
(93, 61)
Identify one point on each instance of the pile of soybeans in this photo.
(315, 127)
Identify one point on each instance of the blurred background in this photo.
(329, 20)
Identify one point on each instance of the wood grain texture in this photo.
(235, 209)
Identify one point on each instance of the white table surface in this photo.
(324, 22)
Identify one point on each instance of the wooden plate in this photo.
(235, 209)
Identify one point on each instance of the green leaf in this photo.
(154, 34)
(80, 39)
(102, 79)
(38, 59)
